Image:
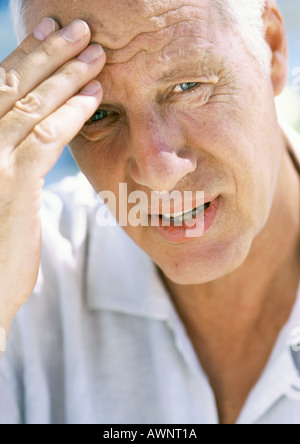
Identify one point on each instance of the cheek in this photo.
(223, 147)
(241, 136)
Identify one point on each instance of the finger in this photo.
(41, 102)
(50, 55)
(37, 154)
(30, 43)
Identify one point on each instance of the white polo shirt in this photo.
(99, 340)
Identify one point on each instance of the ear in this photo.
(276, 38)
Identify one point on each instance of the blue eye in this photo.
(99, 115)
(182, 87)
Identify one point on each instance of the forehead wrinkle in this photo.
(122, 25)
(139, 44)
(150, 42)
(199, 46)
(147, 33)
(127, 29)
(155, 22)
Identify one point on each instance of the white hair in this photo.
(245, 15)
(17, 8)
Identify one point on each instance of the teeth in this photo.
(185, 216)
(175, 215)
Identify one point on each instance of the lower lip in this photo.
(181, 234)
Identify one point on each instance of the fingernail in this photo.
(75, 31)
(44, 29)
(91, 53)
(91, 89)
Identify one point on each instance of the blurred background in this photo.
(288, 104)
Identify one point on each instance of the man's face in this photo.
(217, 134)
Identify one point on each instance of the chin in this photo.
(197, 268)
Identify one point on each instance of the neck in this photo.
(262, 282)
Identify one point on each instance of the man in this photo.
(168, 328)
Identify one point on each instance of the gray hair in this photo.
(245, 15)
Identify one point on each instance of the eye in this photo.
(183, 87)
(100, 114)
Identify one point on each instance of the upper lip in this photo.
(184, 206)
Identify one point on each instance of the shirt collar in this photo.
(281, 376)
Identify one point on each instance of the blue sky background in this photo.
(289, 103)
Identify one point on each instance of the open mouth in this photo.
(184, 216)
(186, 225)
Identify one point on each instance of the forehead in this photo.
(127, 28)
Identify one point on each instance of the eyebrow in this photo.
(192, 68)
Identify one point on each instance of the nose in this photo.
(159, 159)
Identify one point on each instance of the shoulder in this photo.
(67, 196)
(66, 208)
(66, 218)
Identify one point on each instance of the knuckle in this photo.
(32, 103)
(73, 70)
(45, 132)
(69, 70)
(10, 82)
(49, 47)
